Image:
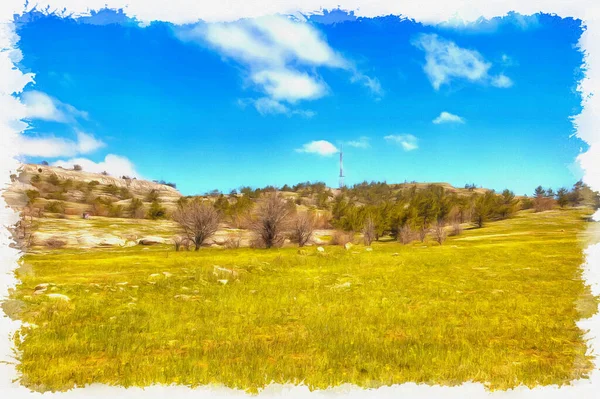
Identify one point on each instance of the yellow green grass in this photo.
(496, 305)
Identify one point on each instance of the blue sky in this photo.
(270, 101)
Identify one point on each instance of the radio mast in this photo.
(341, 166)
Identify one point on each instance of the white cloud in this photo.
(372, 83)
(53, 147)
(40, 105)
(447, 117)
(320, 147)
(408, 142)
(445, 61)
(268, 106)
(362, 142)
(502, 81)
(273, 49)
(114, 165)
(289, 85)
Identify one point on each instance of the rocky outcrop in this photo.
(15, 193)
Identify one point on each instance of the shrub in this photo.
(341, 237)
(233, 241)
(111, 189)
(35, 179)
(115, 211)
(32, 195)
(368, 231)
(152, 196)
(271, 220)
(526, 203)
(45, 163)
(55, 207)
(156, 211)
(302, 228)
(124, 193)
(405, 234)
(55, 243)
(439, 232)
(456, 229)
(77, 167)
(53, 179)
(135, 208)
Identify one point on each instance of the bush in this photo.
(234, 241)
(368, 231)
(439, 232)
(405, 234)
(45, 163)
(115, 211)
(77, 167)
(55, 207)
(456, 229)
(152, 196)
(124, 193)
(111, 189)
(53, 179)
(156, 211)
(341, 238)
(55, 243)
(135, 208)
(32, 195)
(35, 179)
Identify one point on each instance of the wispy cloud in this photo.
(114, 165)
(53, 147)
(445, 61)
(408, 142)
(40, 105)
(319, 147)
(275, 50)
(362, 142)
(502, 81)
(447, 117)
(268, 106)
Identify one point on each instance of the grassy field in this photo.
(496, 305)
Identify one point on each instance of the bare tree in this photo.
(303, 228)
(456, 228)
(368, 231)
(439, 232)
(405, 235)
(270, 220)
(198, 220)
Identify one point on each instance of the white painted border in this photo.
(182, 11)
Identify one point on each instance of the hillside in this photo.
(78, 189)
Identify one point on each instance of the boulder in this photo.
(151, 240)
(59, 297)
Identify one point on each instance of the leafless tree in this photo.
(303, 228)
(270, 220)
(456, 228)
(198, 220)
(23, 231)
(439, 232)
(405, 235)
(368, 231)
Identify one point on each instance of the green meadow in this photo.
(496, 305)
